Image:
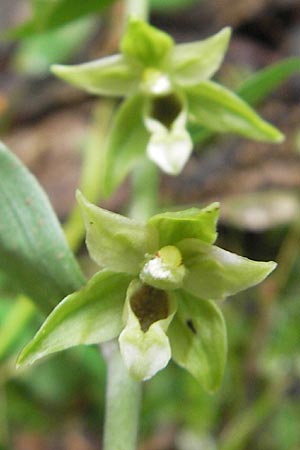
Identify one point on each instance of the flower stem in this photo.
(137, 8)
(123, 395)
(145, 190)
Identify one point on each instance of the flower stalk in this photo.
(123, 395)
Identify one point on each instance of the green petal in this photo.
(220, 110)
(126, 143)
(170, 148)
(215, 273)
(195, 223)
(198, 61)
(198, 340)
(114, 241)
(144, 44)
(111, 76)
(144, 345)
(88, 316)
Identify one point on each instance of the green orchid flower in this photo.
(157, 292)
(165, 86)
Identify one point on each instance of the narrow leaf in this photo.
(33, 249)
(48, 15)
(89, 316)
(257, 87)
(198, 340)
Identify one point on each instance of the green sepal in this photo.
(198, 340)
(114, 241)
(110, 76)
(145, 45)
(145, 347)
(215, 273)
(194, 62)
(89, 316)
(126, 143)
(220, 110)
(194, 223)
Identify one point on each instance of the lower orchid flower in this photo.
(157, 292)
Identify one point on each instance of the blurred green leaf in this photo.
(261, 84)
(33, 249)
(35, 54)
(50, 14)
(172, 4)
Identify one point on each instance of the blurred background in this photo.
(57, 131)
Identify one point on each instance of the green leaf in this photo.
(34, 55)
(214, 273)
(33, 249)
(126, 143)
(258, 86)
(114, 241)
(144, 345)
(219, 109)
(110, 76)
(168, 5)
(195, 223)
(198, 340)
(49, 14)
(89, 316)
(145, 45)
(197, 61)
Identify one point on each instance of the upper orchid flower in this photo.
(156, 292)
(165, 86)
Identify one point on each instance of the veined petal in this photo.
(198, 340)
(114, 241)
(195, 223)
(214, 273)
(89, 316)
(219, 109)
(111, 76)
(144, 344)
(169, 148)
(197, 61)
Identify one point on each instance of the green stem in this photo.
(145, 190)
(91, 176)
(123, 396)
(137, 8)
(19, 315)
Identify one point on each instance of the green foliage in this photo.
(48, 15)
(33, 250)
